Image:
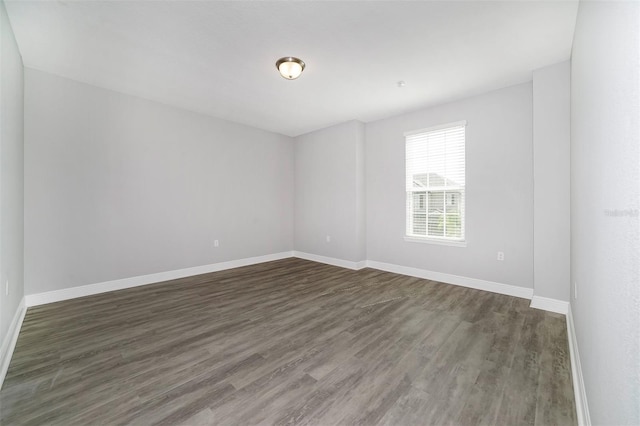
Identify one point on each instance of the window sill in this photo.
(436, 241)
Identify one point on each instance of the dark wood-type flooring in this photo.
(291, 342)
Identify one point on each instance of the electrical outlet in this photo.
(328, 238)
(216, 243)
(6, 288)
(500, 255)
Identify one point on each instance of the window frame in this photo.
(410, 195)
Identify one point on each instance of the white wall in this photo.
(499, 206)
(551, 181)
(329, 192)
(605, 201)
(11, 180)
(117, 187)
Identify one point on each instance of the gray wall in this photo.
(117, 186)
(551, 181)
(605, 200)
(499, 207)
(11, 175)
(329, 192)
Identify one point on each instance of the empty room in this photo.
(319, 212)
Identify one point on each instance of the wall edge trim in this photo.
(580, 394)
(330, 260)
(547, 304)
(10, 340)
(494, 287)
(120, 284)
(551, 305)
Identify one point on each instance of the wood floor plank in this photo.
(290, 342)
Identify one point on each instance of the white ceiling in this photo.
(218, 58)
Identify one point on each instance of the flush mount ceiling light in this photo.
(290, 67)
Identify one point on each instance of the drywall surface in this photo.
(117, 186)
(361, 200)
(11, 177)
(499, 189)
(329, 192)
(551, 181)
(605, 205)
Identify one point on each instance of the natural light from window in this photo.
(435, 184)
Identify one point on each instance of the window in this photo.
(435, 183)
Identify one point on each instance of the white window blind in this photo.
(435, 183)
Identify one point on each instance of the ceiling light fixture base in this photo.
(290, 67)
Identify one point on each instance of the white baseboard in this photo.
(509, 290)
(551, 305)
(9, 342)
(330, 260)
(580, 394)
(103, 287)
